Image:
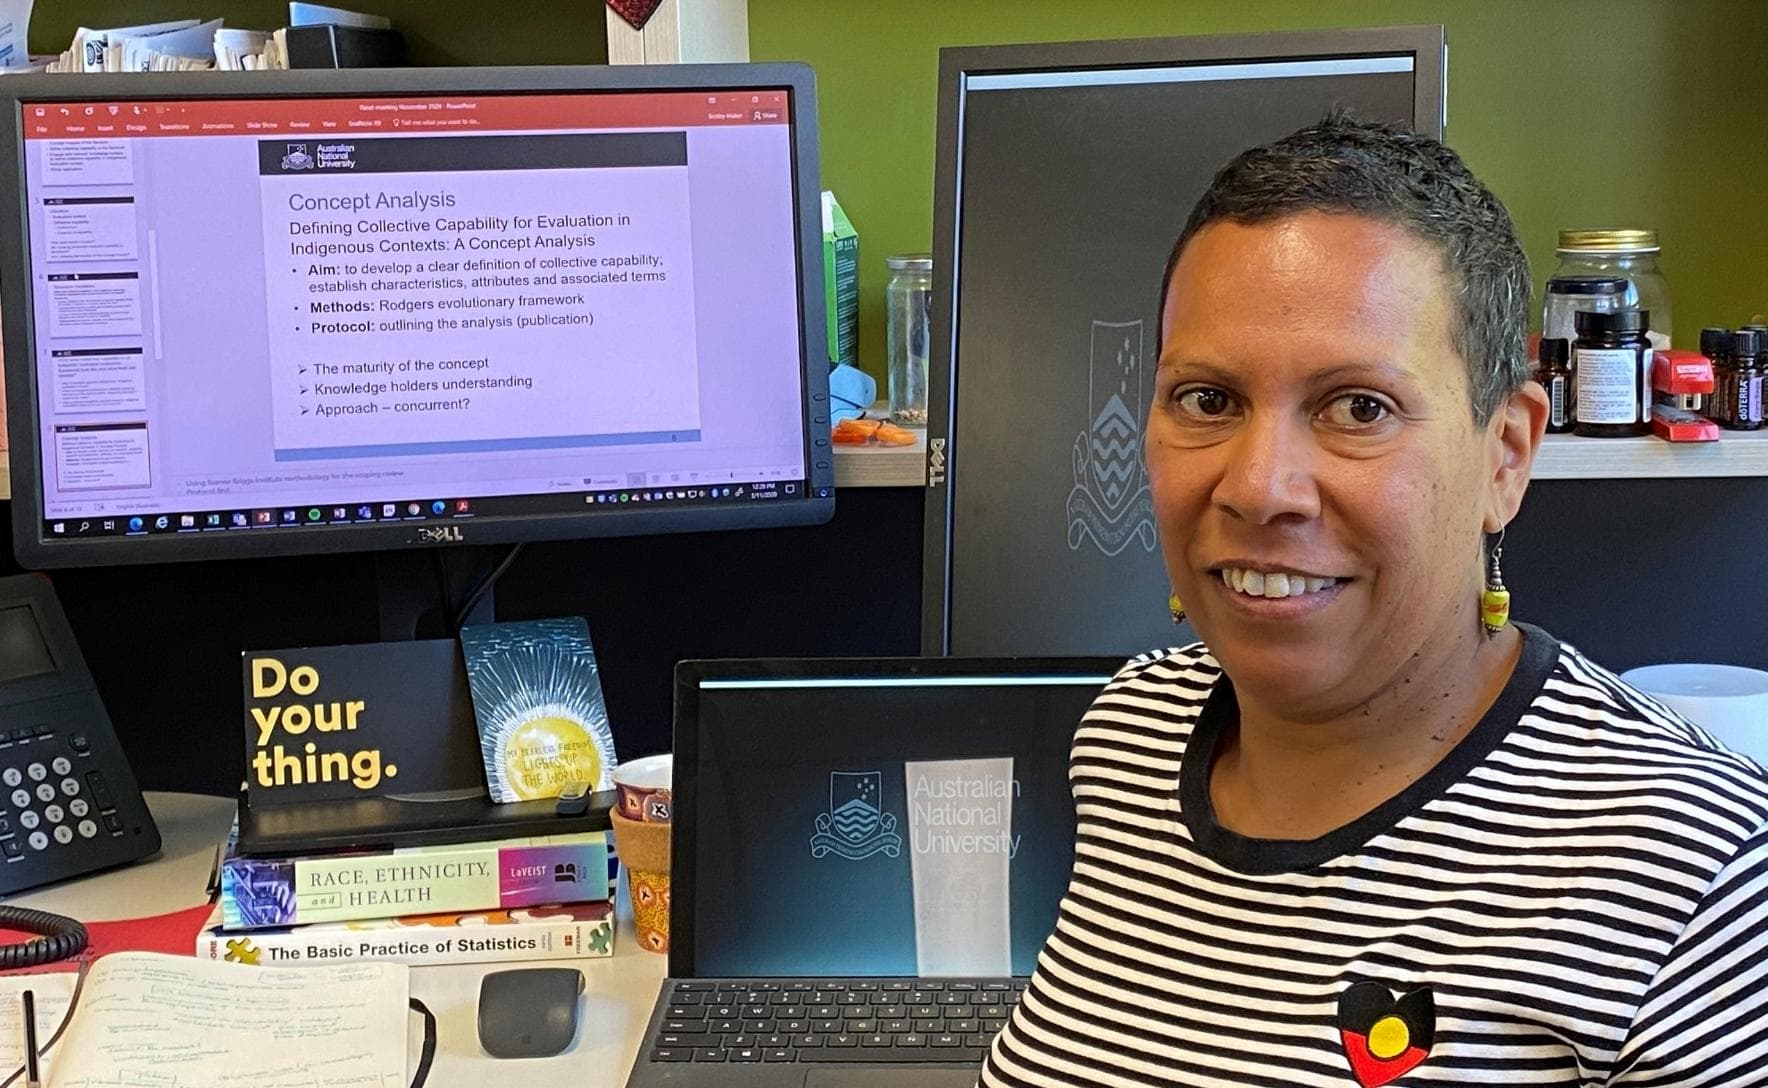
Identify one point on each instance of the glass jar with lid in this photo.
(907, 334)
(1566, 295)
(1629, 254)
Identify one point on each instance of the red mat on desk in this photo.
(175, 933)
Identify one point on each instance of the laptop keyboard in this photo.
(869, 1020)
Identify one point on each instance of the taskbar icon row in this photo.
(282, 517)
(753, 491)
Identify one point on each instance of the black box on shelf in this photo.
(330, 46)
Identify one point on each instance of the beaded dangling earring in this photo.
(1177, 609)
(1494, 603)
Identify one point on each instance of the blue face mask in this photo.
(851, 392)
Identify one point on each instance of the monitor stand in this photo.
(415, 592)
(416, 589)
(377, 823)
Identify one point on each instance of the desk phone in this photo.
(69, 804)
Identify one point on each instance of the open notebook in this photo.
(146, 1018)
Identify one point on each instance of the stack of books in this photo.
(542, 723)
(473, 902)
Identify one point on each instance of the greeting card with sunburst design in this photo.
(538, 698)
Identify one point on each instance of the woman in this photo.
(1360, 835)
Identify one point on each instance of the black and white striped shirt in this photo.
(1576, 895)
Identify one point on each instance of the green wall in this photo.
(436, 31)
(1624, 112)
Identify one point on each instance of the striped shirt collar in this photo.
(1253, 856)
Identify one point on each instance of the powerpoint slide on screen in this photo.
(484, 324)
(239, 300)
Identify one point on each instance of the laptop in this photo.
(867, 856)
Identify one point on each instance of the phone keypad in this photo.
(55, 802)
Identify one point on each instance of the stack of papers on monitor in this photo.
(180, 44)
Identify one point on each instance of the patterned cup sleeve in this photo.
(644, 804)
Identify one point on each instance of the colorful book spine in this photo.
(571, 931)
(259, 892)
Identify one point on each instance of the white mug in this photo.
(1728, 701)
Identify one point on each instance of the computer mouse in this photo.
(529, 1012)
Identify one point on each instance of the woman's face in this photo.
(1318, 478)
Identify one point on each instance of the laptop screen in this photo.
(875, 824)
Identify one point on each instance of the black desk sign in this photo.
(384, 719)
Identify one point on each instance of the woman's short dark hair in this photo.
(1387, 173)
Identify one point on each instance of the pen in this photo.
(33, 1079)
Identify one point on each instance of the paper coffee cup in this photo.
(642, 789)
(644, 853)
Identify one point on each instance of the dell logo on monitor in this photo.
(441, 534)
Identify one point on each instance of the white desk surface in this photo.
(618, 994)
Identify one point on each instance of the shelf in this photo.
(1568, 457)
(882, 466)
(1562, 457)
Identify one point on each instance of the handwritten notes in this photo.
(147, 1020)
(51, 995)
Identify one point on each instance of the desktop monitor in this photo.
(280, 313)
(1064, 174)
